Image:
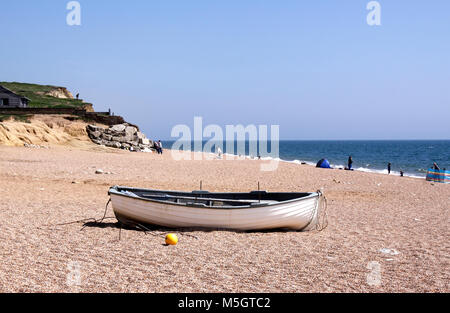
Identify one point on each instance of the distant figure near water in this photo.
(436, 167)
(350, 163)
(389, 168)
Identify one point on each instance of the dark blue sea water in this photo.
(412, 157)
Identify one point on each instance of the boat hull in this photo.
(301, 214)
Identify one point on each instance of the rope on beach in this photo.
(106, 209)
(147, 230)
(87, 220)
(129, 223)
(187, 235)
(81, 221)
(102, 219)
(155, 233)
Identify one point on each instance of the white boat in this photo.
(257, 210)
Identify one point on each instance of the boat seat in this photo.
(168, 197)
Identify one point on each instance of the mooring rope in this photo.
(106, 209)
(86, 220)
(130, 223)
(141, 227)
(156, 233)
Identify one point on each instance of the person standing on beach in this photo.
(350, 163)
(389, 168)
(436, 167)
(219, 153)
(159, 147)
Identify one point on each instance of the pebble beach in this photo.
(385, 233)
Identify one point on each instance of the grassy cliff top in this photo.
(39, 95)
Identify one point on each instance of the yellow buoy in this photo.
(171, 239)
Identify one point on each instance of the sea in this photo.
(413, 157)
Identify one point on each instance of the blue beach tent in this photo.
(323, 164)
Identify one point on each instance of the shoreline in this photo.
(412, 157)
(300, 162)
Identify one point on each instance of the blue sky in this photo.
(313, 67)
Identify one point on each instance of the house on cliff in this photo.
(9, 99)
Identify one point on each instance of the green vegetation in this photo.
(38, 97)
(19, 117)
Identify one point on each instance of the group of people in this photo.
(389, 166)
(389, 169)
(158, 147)
(350, 165)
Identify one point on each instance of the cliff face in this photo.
(50, 130)
(44, 130)
(88, 107)
(54, 117)
(60, 93)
